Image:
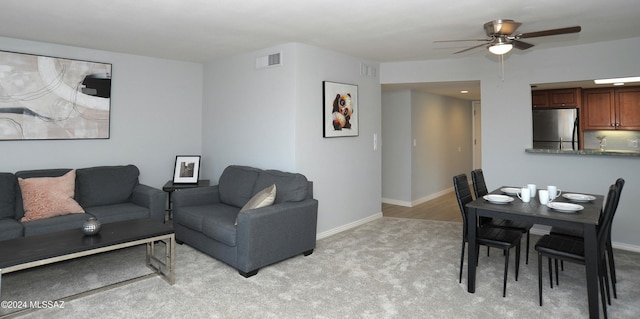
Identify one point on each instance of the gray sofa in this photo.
(205, 218)
(110, 193)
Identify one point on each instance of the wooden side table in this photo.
(171, 187)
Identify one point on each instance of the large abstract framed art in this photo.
(47, 98)
(340, 109)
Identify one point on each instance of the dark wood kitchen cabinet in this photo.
(611, 109)
(559, 98)
(598, 111)
(565, 98)
(539, 99)
(628, 108)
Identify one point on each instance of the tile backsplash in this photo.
(615, 140)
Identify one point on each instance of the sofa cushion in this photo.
(8, 190)
(53, 224)
(106, 185)
(10, 229)
(263, 198)
(237, 183)
(214, 221)
(54, 172)
(45, 197)
(292, 187)
(118, 212)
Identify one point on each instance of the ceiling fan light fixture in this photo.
(502, 36)
(500, 48)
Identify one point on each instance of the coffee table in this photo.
(33, 251)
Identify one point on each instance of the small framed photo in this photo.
(187, 169)
(340, 109)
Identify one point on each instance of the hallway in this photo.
(443, 208)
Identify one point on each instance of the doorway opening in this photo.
(429, 136)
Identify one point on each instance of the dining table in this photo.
(534, 212)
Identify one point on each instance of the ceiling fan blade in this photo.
(437, 41)
(471, 48)
(521, 45)
(545, 33)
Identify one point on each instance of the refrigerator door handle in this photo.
(574, 133)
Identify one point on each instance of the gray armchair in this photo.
(205, 218)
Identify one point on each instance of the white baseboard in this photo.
(417, 201)
(348, 226)
(396, 202)
(432, 196)
(627, 247)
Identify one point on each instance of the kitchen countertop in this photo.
(592, 152)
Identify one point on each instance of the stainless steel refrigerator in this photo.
(555, 129)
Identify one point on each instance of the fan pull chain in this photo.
(501, 66)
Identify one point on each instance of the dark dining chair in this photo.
(480, 189)
(572, 249)
(577, 233)
(500, 238)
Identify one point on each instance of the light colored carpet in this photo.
(387, 268)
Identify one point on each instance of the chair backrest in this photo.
(619, 185)
(604, 229)
(463, 194)
(479, 186)
(480, 189)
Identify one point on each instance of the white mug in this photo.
(544, 196)
(554, 192)
(532, 189)
(524, 194)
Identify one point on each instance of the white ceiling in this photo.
(377, 30)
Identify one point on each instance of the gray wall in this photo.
(442, 129)
(272, 118)
(397, 150)
(155, 115)
(249, 114)
(346, 170)
(506, 119)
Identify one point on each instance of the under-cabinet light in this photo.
(617, 80)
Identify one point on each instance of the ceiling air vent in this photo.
(268, 61)
(368, 70)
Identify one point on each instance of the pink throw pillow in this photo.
(45, 197)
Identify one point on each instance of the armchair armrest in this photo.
(151, 198)
(273, 233)
(195, 196)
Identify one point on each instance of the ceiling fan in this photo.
(501, 36)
